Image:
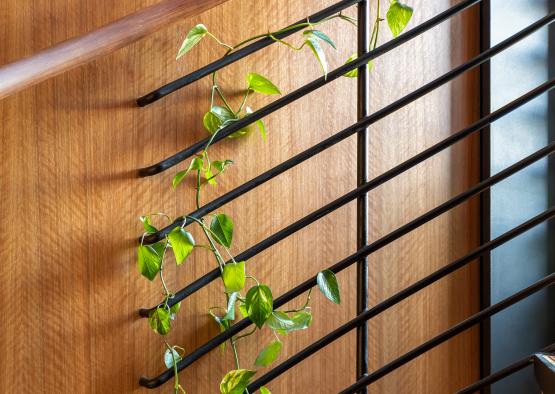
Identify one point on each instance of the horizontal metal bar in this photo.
(327, 143)
(306, 89)
(239, 54)
(450, 333)
(402, 295)
(503, 373)
(365, 188)
(341, 265)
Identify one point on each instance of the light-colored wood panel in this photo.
(425, 250)
(83, 49)
(69, 288)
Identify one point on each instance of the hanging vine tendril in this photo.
(218, 229)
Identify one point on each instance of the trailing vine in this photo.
(218, 229)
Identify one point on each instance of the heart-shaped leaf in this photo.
(260, 304)
(259, 123)
(194, 36)
(321, 35)
(354, 73)
(234, 277)
(314, 45)
(221, 165)
(148, 262)
(398, 17)
(280, 321)
(261, 84)
(171, 357)
(243, 310)
(283, 323)
(269, 354)
(218, 117)
(149, 228)
(182, 243)
(196, 164)
(222, 229)
(159, 321)
(230, 314)
(301, 320)
(174, 309)
(236, 381)
(327, 282)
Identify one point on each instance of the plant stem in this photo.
(245, 335)
(267, 35)
(176, 385)
(218, 41)
(166, 291)
(376, 28)
(243, 103)
(304, 306)
(197, 196)
(236, 355)
(207, 231)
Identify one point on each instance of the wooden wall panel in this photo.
(69, 287)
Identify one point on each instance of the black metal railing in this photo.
(364, 186)
(503, 373)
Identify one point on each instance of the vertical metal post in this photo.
(362, 177)
(551, 160)
(485, 198)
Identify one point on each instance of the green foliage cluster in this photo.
(242, 292)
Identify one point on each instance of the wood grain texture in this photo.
(80, 50)
(70, 146)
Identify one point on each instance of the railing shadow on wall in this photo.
(364, 377)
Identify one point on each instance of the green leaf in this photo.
(196, 164)
(222, 227)
(398, 17)
(327, 282)
(182, 244)
(219, 117)
(236, 381)
(264, 390)
(149, 228)
(301, 320)
(243, 310)
(285, 324)
(269, 354)
(209, 176)
(280, 321)
(149, 261)
(221, 165)
(321, 35)
(315, 47)
(230, 315)
(234, 277)
(169, 359)
(354, 73)
(259, 123)
(174, 309)
(194, 36)
(260, 304)
(211, 122)
(260, 84)
(224, 325)
(159, 321)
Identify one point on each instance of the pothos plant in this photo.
(241, 290)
